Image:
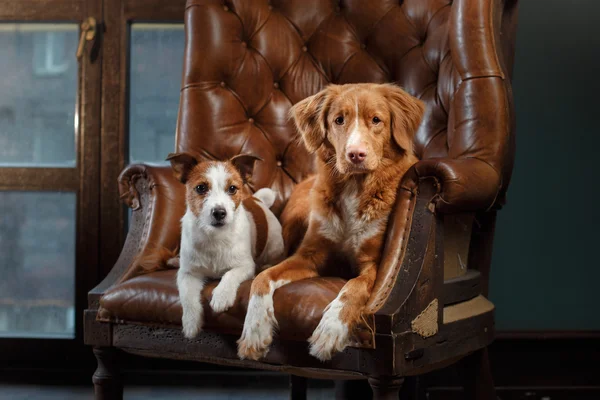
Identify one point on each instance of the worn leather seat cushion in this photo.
(153, 299)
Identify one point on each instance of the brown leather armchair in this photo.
(246, 63)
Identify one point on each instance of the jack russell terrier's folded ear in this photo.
(182, 164)
(244, 163)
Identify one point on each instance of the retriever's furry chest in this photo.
(346, 224)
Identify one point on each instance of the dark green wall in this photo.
(546, 265)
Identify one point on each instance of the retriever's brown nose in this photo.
(356, 154)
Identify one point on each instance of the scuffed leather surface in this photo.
(153, 298)
(161, 212)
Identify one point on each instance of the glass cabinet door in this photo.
(49, 175)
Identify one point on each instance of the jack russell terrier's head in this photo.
(213, 188)
(358, 126)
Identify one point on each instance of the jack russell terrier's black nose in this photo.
(219, 213)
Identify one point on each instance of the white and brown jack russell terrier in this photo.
(225, 233)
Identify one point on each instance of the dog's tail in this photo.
(266, 195)
(159, 258)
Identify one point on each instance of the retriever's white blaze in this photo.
(260, 322)
(331, 334)
(349, 229)
(355, 138)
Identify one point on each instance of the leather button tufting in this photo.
(252, 44)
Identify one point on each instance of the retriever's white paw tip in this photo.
(257, 334)
(331, 335)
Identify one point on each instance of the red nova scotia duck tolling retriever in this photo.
(362, 135)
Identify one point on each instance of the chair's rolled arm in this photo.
(408, 237)
(411, 272)
(157, 200)
(466, 184)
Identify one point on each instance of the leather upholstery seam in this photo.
(500, 181)
(357, 38)
(408, 19)
(376, 24)
(128, 300)
(427, 62)
(337, 77)
(445, 128)
(426, 88)
(492, 35)
(435, 15)
(191, 4)
(442, 106)
(259, 27)
(313, 61)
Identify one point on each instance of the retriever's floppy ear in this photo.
(182, 164)
(407, 113)
(309, 116)
(244, 163)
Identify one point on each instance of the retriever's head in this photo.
(359, 124)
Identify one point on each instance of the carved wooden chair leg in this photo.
(297, 387)
(477, 376)
(108, 384)
(386, 388)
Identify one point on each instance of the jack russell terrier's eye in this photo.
(201, 188)
(339, 120)
(376, 120)
(232, 190)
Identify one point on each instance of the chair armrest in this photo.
(408, 241)
(157, 200)
(411, 272)
(466, 184)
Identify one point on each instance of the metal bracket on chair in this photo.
(414, 354)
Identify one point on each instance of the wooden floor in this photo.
(47, 392)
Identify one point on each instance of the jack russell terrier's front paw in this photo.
(223, 297)
(258, 328)
(331, 335)
(192, 324)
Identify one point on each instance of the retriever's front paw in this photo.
(257, 334)
(331, 335)
(192, 324)
(223, 297)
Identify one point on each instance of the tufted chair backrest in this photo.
(247, 62)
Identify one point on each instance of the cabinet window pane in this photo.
(37, 264)
(37, 94)
(155, 79)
